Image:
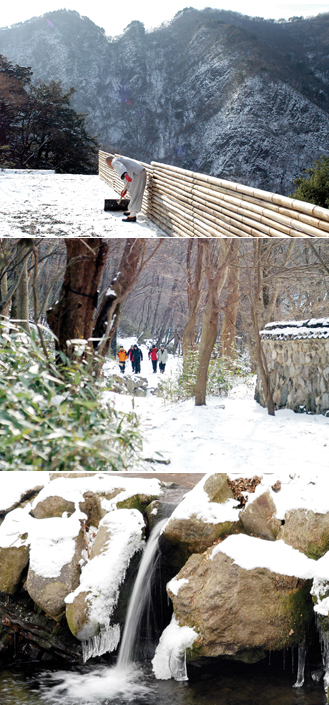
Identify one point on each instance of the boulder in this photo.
(157, 510)
(307, 531)
(237, 612)
(217, 489)
(92, 508)
(90, 607)
(14, 549)
(205, 515)
(259, 518)
(53, 506)
(13, 562)
(49, 592)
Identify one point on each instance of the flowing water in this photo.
(223, 683)
(218, 682)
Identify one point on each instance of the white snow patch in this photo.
(174, 585)
(15, 484)
(249, 552)
(102, 576)
(197, 503)
(173, 643)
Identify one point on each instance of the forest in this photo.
(63, 303)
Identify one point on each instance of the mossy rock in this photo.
(307, 531)
(53, 506)
(157, 511)
(137, 501)
(259, 518)
(217, 488)
(236, 611)
(92, 508)
(13, 562)
(183, 537)
(77, 617)
(49, 593)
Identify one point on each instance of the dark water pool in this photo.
(222, 683)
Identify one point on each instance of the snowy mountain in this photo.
(213, 91)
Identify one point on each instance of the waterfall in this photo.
(140, 596)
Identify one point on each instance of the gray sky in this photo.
(115, 16)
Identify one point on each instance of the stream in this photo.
(219, 683)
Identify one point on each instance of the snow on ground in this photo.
(41, 203)
(240, 439)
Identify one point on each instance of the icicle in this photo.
(177, 664)
(301, 666)
(324, 642)
(106, 640)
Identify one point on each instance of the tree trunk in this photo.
(22, 292)
(216, 275)
(231, 306)
(194, 288)
(72, 317)
(109, 312)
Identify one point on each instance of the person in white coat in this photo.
(133, 175)
(162, 358)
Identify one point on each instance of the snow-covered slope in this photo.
(213, 91)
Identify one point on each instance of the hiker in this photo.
(133, 175)
(122, 356)
(162, 357)
(131, 357)
(138, 356)
(153, 356)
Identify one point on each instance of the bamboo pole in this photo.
(175, 213)
(301, 206)
(315, 222)
(190, 204)
(258, 218)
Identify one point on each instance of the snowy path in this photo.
(239, 439)
(62, 205)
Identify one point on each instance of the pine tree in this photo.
(40, 127)
(314, 188)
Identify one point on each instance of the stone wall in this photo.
(299, 374)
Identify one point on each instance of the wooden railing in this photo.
(188, 204)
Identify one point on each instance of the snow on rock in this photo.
(90, 606)
(175, 584)
(17, 485)
(171, 648)
(111, 489)
(285, 330)
(249, 553)
(197, 503)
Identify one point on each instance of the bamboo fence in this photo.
(188, 204)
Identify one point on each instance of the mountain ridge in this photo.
(212, 91)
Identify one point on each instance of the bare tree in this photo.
(217, 259)
(195, 279)
(231, 305)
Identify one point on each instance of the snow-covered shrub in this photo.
(223, 374)
(53, 417)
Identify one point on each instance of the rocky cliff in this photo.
(213, 91)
